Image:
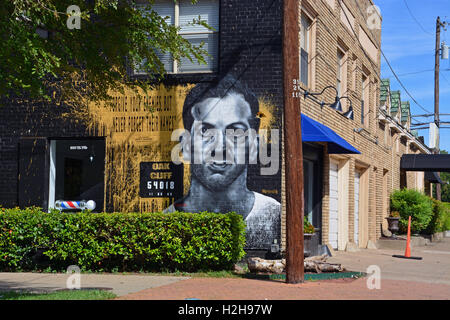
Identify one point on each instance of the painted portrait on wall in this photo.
(218, 171)
(221, 122)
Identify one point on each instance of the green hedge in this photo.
(441, 214)
(428, 215)
(410, 202)
(33, 240)
(445, 216)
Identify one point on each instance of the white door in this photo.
(357, 179)
(334, 205)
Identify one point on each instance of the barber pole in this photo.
(74, 205)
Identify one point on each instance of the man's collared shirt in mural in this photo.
(263, 222)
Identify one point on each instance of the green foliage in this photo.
(114, 35)
(445, 188)
(441, 212)
(409, 202)
(395, 214)
(91, 294)
(307, 226)
(119, 241)
(446, 216)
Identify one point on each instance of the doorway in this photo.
(312, 177)
(77, 171)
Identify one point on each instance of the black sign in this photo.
(161, 180)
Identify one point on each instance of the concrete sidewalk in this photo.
(433, 268)
(401, 279)
(428, 278)
(116, 283)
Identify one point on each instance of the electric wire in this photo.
(384, 56)
(418, 23)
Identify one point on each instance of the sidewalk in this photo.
(117, 283)
(428, 278)
(401, 279)
(433, 268)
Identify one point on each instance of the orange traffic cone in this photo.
(408, 245)
(408, 240)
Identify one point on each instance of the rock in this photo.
(351, 247)
(386, 233)
(371, 245)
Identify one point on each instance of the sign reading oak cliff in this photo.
(161, 180)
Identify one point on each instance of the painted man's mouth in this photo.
(219, 166)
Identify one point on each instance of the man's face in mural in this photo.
(219, 123)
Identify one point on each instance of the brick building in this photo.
(119, 153)
(340, 48)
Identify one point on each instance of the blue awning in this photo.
(313, 131)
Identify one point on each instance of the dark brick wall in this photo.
(250, 49)
(25, 120)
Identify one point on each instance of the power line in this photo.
(406, 4)
(415, 72)
(401, 84)
(384, 56)
(445, 78)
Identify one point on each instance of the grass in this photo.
(58, 295)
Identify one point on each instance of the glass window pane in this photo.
(304, 33)
(165, 58)
(211, 46)
(208, 10)
(165, 9)
(304, 67)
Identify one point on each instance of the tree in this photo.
(42, 47)
(445, 189)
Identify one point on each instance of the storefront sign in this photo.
(161, 180)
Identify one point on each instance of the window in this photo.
(365, 107)
(341, 75)
(305, 48)
(340, 65)
(354, 69)
(182, 13)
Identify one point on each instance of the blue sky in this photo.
(409, 46)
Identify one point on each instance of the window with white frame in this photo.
(305, 48)
(182, 13)
(341, 84)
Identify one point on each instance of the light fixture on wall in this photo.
(336, 105)
(349, 113)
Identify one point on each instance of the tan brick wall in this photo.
(378, 155)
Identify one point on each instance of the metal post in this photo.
(293, 146)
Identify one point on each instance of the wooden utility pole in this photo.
(293, 145)
(436, 95)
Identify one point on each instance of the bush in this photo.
(446, 219)
(409, 202)
(119, 241)
(441, 212)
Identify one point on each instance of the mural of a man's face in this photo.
(219, 115)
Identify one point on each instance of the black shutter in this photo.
(33, 172)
